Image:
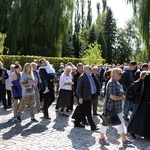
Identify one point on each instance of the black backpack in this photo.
(130, 96)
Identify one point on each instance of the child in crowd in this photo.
(50, 70)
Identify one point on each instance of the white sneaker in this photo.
(46, 91)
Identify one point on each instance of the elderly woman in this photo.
(65, 94)
(113, 99)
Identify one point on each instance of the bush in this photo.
(11, 59)
(92, 55)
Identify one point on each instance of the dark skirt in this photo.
(64, 98)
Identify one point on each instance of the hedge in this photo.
(11, 59)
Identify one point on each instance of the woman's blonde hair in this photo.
(143, 74)
(31, 70)
(68, 68)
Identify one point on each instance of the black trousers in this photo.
(2, 95)
(84, 110)
(48, 100)
(8, 92)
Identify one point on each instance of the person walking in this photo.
(113, 100)
(27, 83)
(86, 89)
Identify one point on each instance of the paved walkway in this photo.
(56, 134)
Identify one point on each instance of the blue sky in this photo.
(121, 10)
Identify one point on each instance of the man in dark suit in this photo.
(48, 97)
(95, 76)
(3, 77)
(75, 78)
(85, 90)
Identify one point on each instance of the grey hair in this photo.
(116, 71)
(86, 67)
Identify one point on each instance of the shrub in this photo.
(11, 59)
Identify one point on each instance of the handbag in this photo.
(16, 89)
(110, 118)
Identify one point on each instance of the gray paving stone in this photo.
(56, 134)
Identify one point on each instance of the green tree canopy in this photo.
(92, 55)
(37, 27)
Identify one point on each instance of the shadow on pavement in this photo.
(23, 130)
(60, 122)
(17, 129)
(77, 135)
(38, 128)
(7, 124)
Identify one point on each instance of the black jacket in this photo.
(126, 79)
(97, 83)
(83, 87)
(140, 124)
(44, 76)
(3, 73)
(75, 78)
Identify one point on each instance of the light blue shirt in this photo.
(92, 84)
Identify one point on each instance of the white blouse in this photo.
(65, 79)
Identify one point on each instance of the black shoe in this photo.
(6, 107)
(132, 135)
(95, 114)
(125, 118)
(94, 128)
(18, 118)
(47, 117)
(85, 123)
(34, 120)
(79, 125)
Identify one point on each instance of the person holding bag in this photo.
(113, 103)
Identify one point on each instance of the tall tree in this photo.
(67, 44)
(92, 35)
(5, 10)
(110, 30)
(77, 29)
(82, 14)
(142, 9)
(89, 15)
(37, 27)
(102, 42)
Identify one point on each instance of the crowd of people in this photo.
(33, 86)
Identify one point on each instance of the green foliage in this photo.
(142, 10)
(92, 55)
(92, 35)
(89, 15)
(110, 31)
(38, 27)
(2, 37)
(7, 60)
(102, 42)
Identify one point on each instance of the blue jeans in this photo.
(127, 107)
(134, 108)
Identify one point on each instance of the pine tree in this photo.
(110, 30)
(102, 42)
(89, 15)
(92, 35)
